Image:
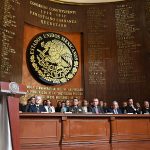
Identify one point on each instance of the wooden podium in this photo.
(9, 114)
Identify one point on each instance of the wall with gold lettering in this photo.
(112, 40)
(11, 22)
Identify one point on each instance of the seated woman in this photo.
(49, 107)
(58, 107)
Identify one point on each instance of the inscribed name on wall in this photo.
(52, 15)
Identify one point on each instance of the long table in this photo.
(44, 130)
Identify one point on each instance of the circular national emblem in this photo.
(52, 58)
(13, 87)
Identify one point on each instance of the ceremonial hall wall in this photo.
(111, 39)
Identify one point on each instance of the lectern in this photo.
(9, 114)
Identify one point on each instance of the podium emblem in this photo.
(13, 87)
(52, 58)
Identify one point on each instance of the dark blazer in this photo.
(100, 110)
(57, 109)
(33, 108)
(118, 110)
(130, 110)
(106, 109)
(77, 109)
(124, 110)
(145, 110)
(22, 107)
(139, 110)
(67, 108)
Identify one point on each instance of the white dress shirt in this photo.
(50, 107)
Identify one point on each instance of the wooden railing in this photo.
(44, 130)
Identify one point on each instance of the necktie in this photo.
(96, 110)
(37, 109)
(76, 109)
(115, 111)
(125, 111)
(49, 109)
(63, 109)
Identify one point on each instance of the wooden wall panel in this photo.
(131, 129)
(46, 14)
(75, 130)
(42, 132)
(116, 65)
(76, 126)
(11, 35)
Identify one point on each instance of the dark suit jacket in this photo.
(124, 110)
(139, 110)
(100, 110)
(33, 108)
(106, 109)
(57, 109)
(22, 107)
(118, 110)
(67, 108)
(74, 109)
(144, 110)
(130, 110)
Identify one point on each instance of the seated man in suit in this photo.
(30, 101)
(95, 108)
(37, 107)
(49, 107)
(131, 108)
(65, 105)
(75, 108)
(115, 108)
(146, 108)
